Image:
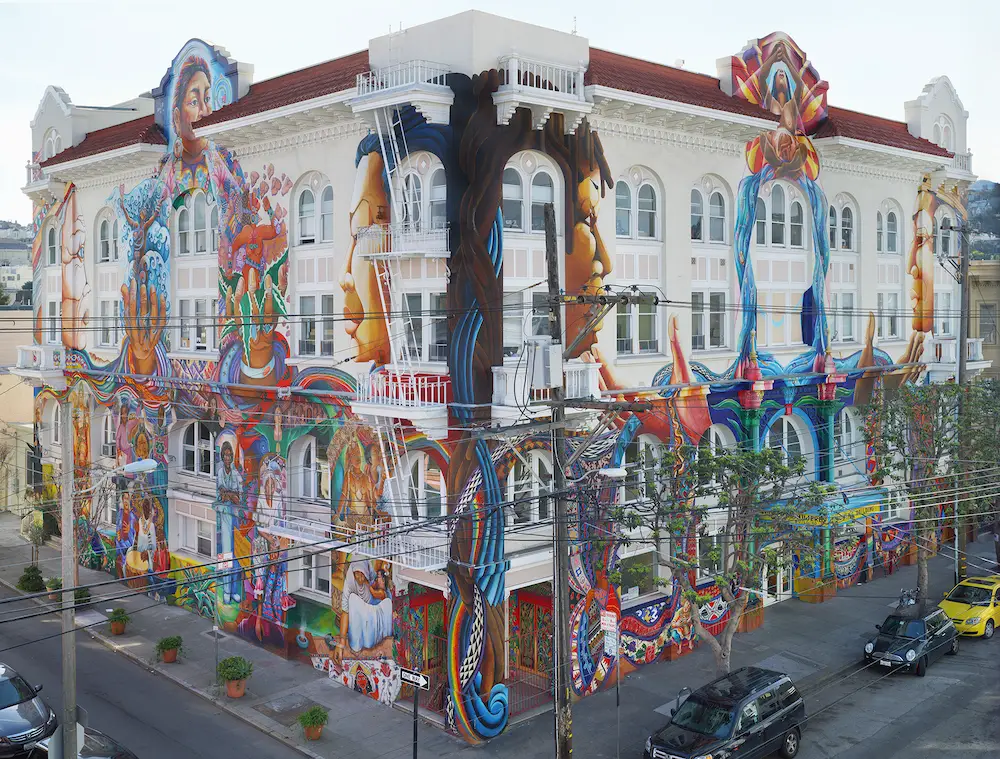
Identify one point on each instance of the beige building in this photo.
(16, 403)
(984, 300)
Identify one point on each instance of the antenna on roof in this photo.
(574, 25)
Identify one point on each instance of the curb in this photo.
(111, 645)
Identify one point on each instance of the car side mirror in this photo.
(878, 627)
(673, 711)
(38, 688)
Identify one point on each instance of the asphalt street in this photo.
(149, 714)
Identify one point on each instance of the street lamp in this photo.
(70, 742)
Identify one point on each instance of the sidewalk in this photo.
(813, 643)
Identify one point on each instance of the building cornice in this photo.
(867, 170)
(301, 139)
(663, 136)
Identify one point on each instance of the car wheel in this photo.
(988, 630)
(790, 744)
(954, 646)
(921, 666)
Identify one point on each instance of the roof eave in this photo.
(126, 157)
(594, 91)
(334, 101)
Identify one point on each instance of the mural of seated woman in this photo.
(366, 613)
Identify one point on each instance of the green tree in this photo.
(751, 498)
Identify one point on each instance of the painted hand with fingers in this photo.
(145, 319)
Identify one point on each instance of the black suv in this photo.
(911, 640)
(751, 711)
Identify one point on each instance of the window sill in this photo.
(183, 355)
(638, 358)
(187, 553)
(644, 598)
(312, 595)
(199, 482)
(711, 352)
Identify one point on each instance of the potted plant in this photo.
(312, 721)
(54, 584)
(81, 596)
(31, 580)
(118, 619)
(235, 670)
(167, 648)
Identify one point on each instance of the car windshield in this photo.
(969, 594)
(705, 718)
(13, 691)
(900, 627)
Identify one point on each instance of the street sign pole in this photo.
(420, 682)
(416, 705)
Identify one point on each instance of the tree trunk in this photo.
(922, 534)
(722, 644)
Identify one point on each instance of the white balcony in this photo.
(423, 548)
(942, 357)
(422, 84)
(420, 398)
(38, 186)
(516, 396)
(962, 162)
(405, 240)
(544, 88)
(41, 365)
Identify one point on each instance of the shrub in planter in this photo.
(235, 670)
(168, 648)
(312, 721)
(54, 584)
(81, 596)
(118, 619)
(31, 580)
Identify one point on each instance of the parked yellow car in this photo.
(974, 605)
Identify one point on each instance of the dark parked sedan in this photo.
(96, 745)
(912, 641)
(24, 718)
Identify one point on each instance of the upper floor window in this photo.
(198, 450)
(833, 228)
(307, 217)
(52, 144)
(427, 490)
(108, 446)
(109, 334)
(326, 214)
(777, 215)
(197, 225)
(542, 192)
(529, 484)
(413, 192)
(847, 229)
(647, 211)
(108, 240)
(56, 422)
(513, 200)
(784, 437)
(54, 312)
(425, 316)
(642, 459)
(697, 215)
(891, 233)
(438, 200)
(623, 209)
(638, 330)
(844, 437)
(316, 328)
(717, 218)
(944, 237)
(314, 473)
(197, 319)
(760, 221)
(797, 225)
(713, 442)
(708, 330)
(51, 247)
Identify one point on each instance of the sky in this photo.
(875, 54)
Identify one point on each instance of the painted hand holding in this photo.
(145, 320)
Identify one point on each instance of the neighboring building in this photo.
(984, 300)
(318, 301)
(15, 252)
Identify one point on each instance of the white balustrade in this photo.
(41, 358)
(962, 162)
(583, 380)
(401, 75)
(512, 384)
(944, 349)
(404, 389)
(974, 346)
(402, 240)
(33, 172)
(532, 74)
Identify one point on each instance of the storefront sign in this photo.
(840, 517)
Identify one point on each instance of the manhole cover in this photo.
(285, 710)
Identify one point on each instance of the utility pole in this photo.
(69, 742)
(560, 530)
(963, 352)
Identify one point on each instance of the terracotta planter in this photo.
(313, 732)
(169, 656)
(117, 628)
(55, 596)
(236, 688)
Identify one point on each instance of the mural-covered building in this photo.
(317, 301)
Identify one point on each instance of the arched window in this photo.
(760, 214)
(513, 200)
(647, 212)
(326, 214)
(891, 233)
(784, 437)
(777, 216)
(183, 232)
(51, 247)
(214, 228)
(847, 229)
(412, 199)
(623, 209)
(198, 450)
(797, 225)
(105, 240)
(717, 218)
(427, 490)
(844, 437)
(946, 137)
(439, 200)
(715, 440)
(542, 192)
(833, 228)
(314, 473)
(200, 223)
(307, 218)
(108, 447)
(697, 215)
(529, 484)
(878, 232)
(937, 134)
(642, 455)
(945, 249)
(114, 241)
(56, 422)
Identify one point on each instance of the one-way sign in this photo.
(414, 678)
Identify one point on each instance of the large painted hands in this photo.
(145, 320)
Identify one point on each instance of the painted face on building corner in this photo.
(588, 264)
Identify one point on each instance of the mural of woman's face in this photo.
(362, 301)
(589, 263)
(195, 103)
(142, 448)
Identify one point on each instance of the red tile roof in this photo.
(332, 76)
(142, 130)
(622, 72)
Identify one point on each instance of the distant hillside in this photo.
(984, 218)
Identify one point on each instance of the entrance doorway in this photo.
(776, 581)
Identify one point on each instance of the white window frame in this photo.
(988, 324)
(56, 417)
(195, 547)
(704, 313)
(697, 216)
(310, 477)
(326, 218)
(110, 332)
(879, 233)
(510, 172)
(528, 309)
(893, 233)
(786, 423)
(437, 199)
(198, 448)
(848, 228)
(109, 446)
(761, 223)
(413, 201)
(845, 437)
(531, 490)
(833, 227)
(652, 214)
(943, 304)
(626, 210)
(197, 329)
(53, 331)
(305, 217)
(801, 226)
(640, 463)
(845, 316)
(717, 228)
(321, 321)
(51, 245)
(421, 469)
(426, 311)
(634, 314)
(540, 204)
(314, 573)
(890, 316)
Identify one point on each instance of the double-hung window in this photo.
(197, 318)
(196, 535)
(988, 323)
(198, 450)
(638, 328)
(109, 323)
(54, 312)
(315, 571)
(708, 329)
(888, 315)
(843, 316)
